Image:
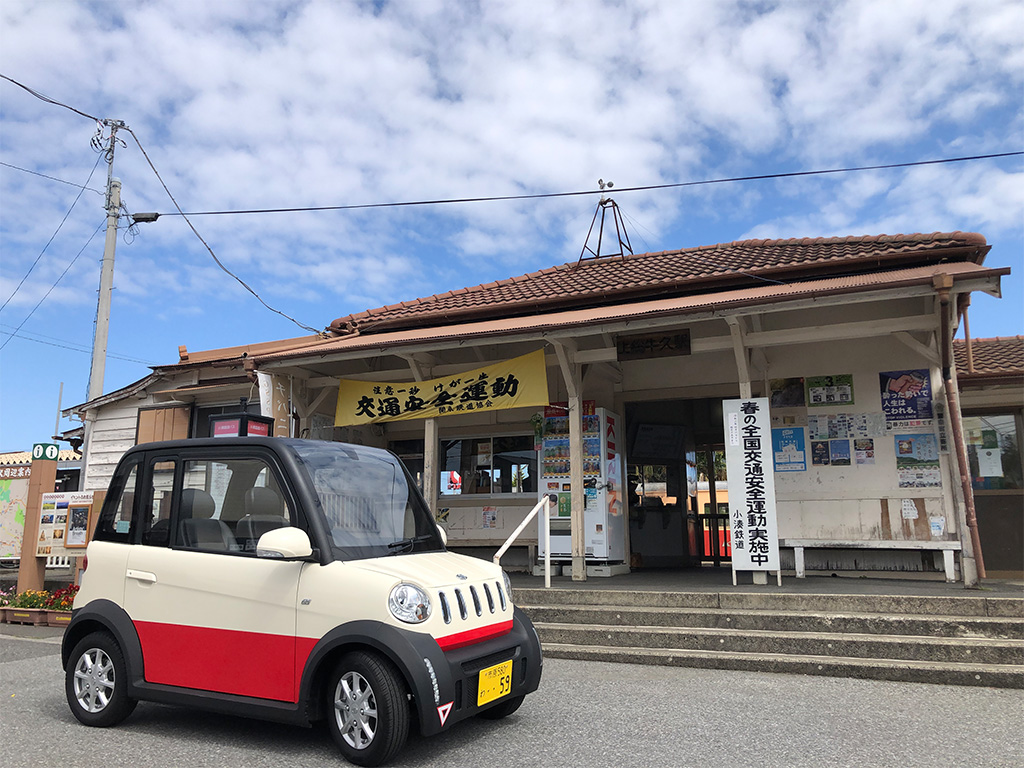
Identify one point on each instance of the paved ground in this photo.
(592, 714)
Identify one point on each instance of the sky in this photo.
(243, 105)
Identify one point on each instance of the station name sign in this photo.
(653, 345)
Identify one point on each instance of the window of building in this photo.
(993, 451)
(201, 416)
(488, 465)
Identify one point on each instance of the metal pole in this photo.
(99, 345)
(547, 539)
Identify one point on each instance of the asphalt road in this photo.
(585, 714)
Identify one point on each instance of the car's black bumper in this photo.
(457, 672)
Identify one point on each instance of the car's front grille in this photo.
(461, 596)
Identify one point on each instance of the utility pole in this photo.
(99, 344)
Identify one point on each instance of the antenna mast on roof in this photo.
(620, 228)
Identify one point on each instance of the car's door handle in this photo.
(141, 576)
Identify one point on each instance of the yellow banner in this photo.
(515, 383)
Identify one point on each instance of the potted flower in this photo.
(58, 606)
(28, 607)
(5, 600)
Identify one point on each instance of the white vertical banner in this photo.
(748, 461)
(274, 402)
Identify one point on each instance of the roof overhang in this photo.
(759, 299)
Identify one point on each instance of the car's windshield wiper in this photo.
(407, 545)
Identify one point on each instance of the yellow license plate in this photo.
(494, 683)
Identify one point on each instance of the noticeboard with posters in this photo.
(60, 514)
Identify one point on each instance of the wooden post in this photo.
(431, 468)
(572, 373)
(32, 569)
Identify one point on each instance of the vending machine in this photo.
(604, 496)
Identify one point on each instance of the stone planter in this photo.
(58, 618)
(36, 616)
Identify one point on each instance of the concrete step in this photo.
(780, 621)
(995, 676)
(790, 643)
(918, 605)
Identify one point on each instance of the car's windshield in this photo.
(371, 507)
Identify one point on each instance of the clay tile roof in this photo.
(703, 269)
(999, 358)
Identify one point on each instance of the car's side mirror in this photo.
(284, 544)
(444, 535)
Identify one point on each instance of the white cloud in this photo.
(290, 104)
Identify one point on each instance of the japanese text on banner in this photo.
(514, 383)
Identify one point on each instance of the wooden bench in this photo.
(799, 545)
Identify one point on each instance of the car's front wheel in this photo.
(368, 709)
(96, 683)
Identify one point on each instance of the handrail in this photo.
(547, 502)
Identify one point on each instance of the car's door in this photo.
(211, 615)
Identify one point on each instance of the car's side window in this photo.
(116, 519)
(227, 504)
(156, 521)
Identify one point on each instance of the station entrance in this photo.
(677, 489)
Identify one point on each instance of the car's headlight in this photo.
(409, 603)
(508, 585)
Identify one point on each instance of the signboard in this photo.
(657, 345)
(13, 503)
(45, 452)
(748, 459)
(231, 425)
(514, 383)
(274, 402)
(61, 514)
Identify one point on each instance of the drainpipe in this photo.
(943, 284)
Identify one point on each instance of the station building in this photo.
(498, 393)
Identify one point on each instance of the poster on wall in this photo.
(76, 532)
(906, 398)
(787, 402)
(830, 390)
(819, 453)
(864, 451)
(789, 449)
(839, 453)
(917, 461)
(835, 426)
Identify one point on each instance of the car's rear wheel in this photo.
(96, 682)
(369, 710)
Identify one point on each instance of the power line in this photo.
(51, 178)
(48, 292)
(120, 124)
(48, 100)
(646, 188)
(208, 248)
(492, 198)
(68, 345)
(77, 198)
